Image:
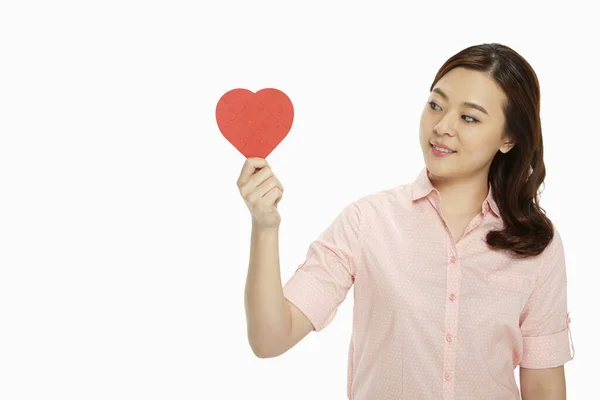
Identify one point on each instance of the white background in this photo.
(124, 242)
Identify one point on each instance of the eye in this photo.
(432, 104)
(471, 121)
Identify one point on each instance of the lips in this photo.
(436, 144)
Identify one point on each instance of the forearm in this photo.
(266, 311)
(544, 394)
(543, 384)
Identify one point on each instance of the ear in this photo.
(508, 144)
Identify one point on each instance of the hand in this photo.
(261, 190)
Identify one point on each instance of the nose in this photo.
(446, 125)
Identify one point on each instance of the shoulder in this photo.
(386, 197)
(555, 247)
(394, 200)
(551, 261)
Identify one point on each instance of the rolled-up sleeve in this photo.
(545, 320)
(321, 283)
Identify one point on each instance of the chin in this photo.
(439, 169)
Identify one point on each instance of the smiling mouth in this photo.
(442, 149)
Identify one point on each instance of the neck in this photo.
(462, 196)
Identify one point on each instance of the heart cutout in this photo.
(255, 123)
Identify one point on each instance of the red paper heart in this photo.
(255, 123)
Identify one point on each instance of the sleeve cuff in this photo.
(307, 294)
(547, 351)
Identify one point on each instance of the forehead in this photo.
(461, 84)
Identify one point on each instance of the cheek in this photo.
(425, 117)
(425, 125)
(479, 149)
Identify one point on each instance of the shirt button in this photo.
(452, 297)
(453, 259)
(449, 337)
(447, 376)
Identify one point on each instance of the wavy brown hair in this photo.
(515, 176)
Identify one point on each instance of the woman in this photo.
(458, 276)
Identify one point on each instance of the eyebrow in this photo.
(466, 103)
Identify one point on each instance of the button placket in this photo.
(453, 275)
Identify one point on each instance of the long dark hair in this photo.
(515, 176)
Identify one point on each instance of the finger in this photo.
(279, 185)
(273, 196)
(279, 197)
(255, 193)
(248, 188)
(250, 166)
(260, 176)
(267, 185)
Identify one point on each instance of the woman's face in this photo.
(464, 113)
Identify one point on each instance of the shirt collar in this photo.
(422, 187)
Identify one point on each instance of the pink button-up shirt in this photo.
(433, 319)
